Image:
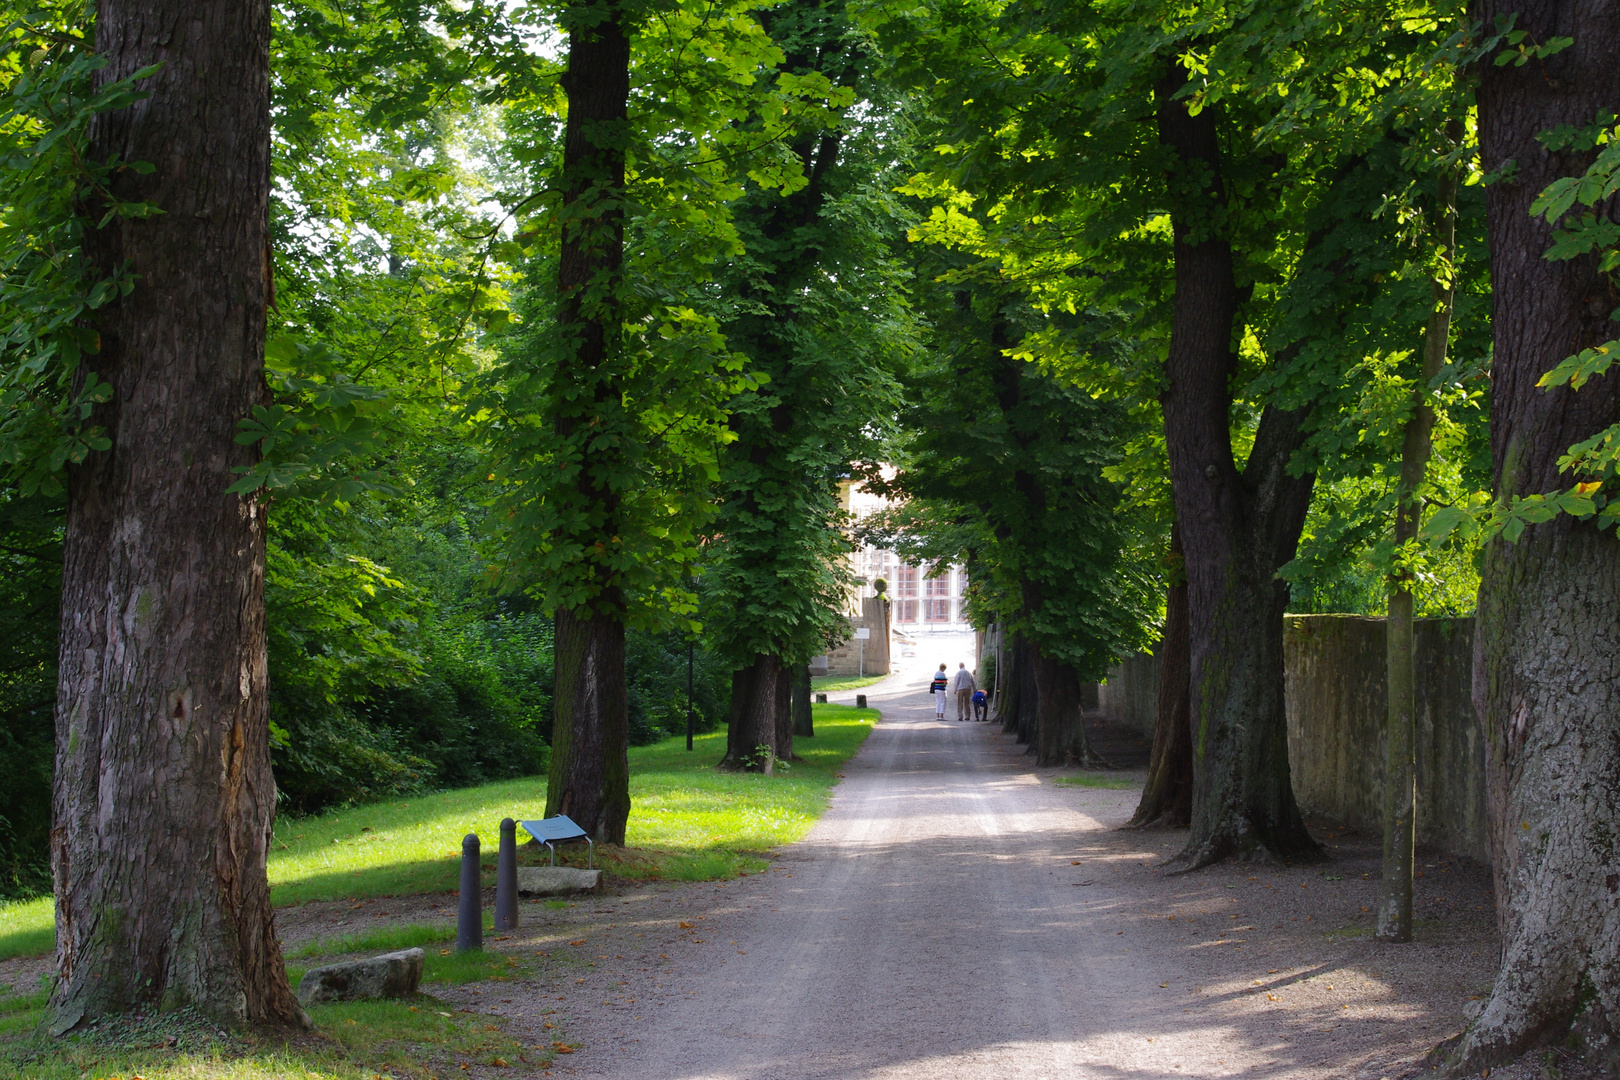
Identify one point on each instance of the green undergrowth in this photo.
(1111, 781)
(418, 1038)
(688, 822)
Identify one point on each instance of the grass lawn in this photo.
(687, 821)
(835, 683)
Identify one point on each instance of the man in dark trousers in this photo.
(964, 686)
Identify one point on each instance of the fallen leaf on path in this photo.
(1082, 883)
(687, 926)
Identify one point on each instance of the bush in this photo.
(655, 669)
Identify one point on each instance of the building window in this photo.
(905, 590)
(937, 599)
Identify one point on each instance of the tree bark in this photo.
(590, 734)
(164, 799)
(1238, 528)
(590, 775)
(1060, 731)
(1546, 682)
(804, 724)
(1029, 694)
(753, 724)
(1400, 742)
(1167, 796)
(1009, 701)
(784, 711)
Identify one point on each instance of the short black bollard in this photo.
(506, 899)
(860, 701)
(821, 699)
(470, 919)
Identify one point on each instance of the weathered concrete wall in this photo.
(1131, 694)
(1336, 703)
(846, 659)
(1334, 680)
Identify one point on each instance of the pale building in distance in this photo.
(919, 604)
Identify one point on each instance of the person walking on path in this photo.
(964, 685)
(937, 688)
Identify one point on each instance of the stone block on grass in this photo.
(392, 975)
(556, 880)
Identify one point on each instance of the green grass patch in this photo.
(1111, 781)
(27, 928)
(454, 968)
(418, 1038)
(688, 822)
(835, 683)
(390, 939)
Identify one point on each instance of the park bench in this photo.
(552, 831)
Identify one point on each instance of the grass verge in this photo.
(418, 1038)
(835, 683)
(1111, 781)
(688, 821)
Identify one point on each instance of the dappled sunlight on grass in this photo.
(688, 821)
(411, 845)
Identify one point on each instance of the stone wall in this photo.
(1336, 704)
(1131, 693)
(1334, 682)
(846, 659)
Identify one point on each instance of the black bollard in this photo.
(821, 699)
(470, 919)
(506, 905)
(860, 701)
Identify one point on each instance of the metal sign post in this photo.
(862, 634)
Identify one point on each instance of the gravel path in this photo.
(956, 914)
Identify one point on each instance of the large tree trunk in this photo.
(590, 775)
(1010, 699)
(590, 734)
(1400, 736)
(804, 724)
(754, 722)
(1029, 693)
(1060, 730)
(1546, 681)
(164, 798)
(1167, 796)
(784, 711)
(1238, 529)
